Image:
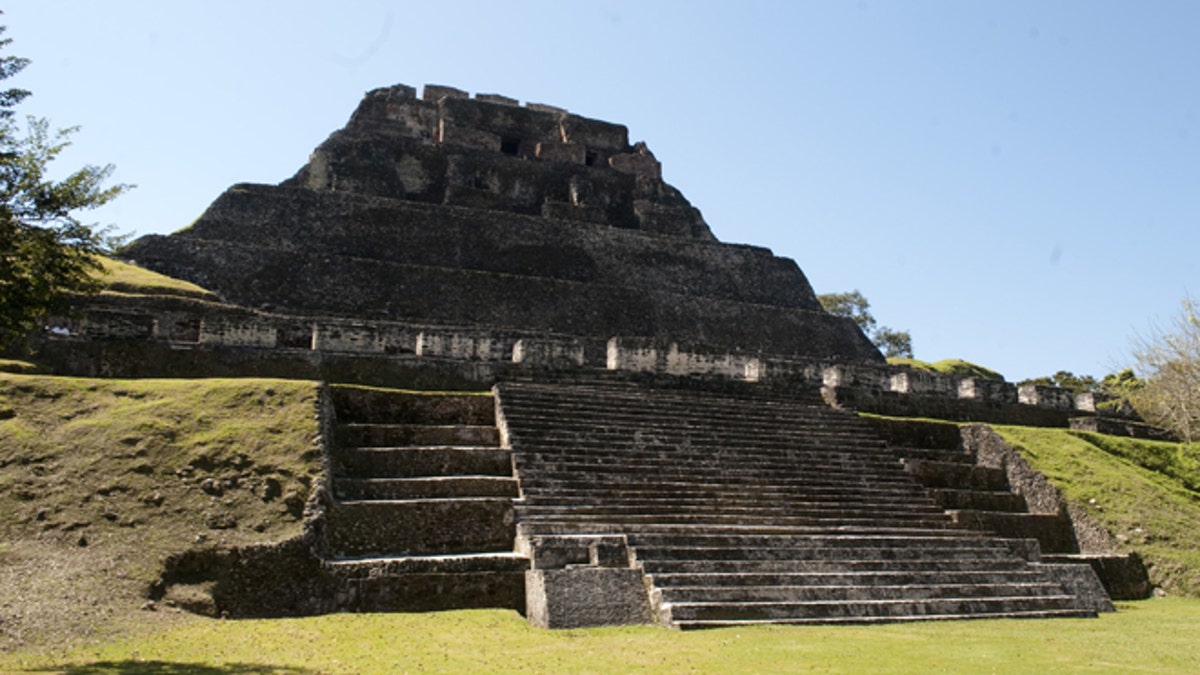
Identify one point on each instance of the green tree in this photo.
(1168, 359)
(46, 253)
(854, 306)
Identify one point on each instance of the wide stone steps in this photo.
(838, 580)
(392, 435)
(749, 439)
(422, 515)
(420, 526)
(983, 500)
(437, 487)
(684, 518)
(583, 492)
(744, 510)
(430, 460)
(731, 500)
(748, 541)
(694, 615)
(818, 510)
(957, 475)
(531, 528)
(718, 466)
(816, 553)
(857, 592)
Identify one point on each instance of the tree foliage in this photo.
(1168, 359)
(46, 253)
(854, 306)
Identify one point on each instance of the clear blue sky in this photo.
(1016, 183)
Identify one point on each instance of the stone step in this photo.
(810, 510)
(584, 490)
(686, 500)
(600, 481)
(790, 540)
(651, 414)
(599, 436)
(817, 553)
(370, 404)
(423, 487)
(1053, 532)
(848, 593)
(751, 448)
(851, 620)
(877, 608)
(957, 456)
(375, 566)
(394, 435)
(431, 460)
(958, 476)
(634, 530)
(717, 519)
(845, 578)
(585, 401)
(982, 500)
(742, 456)
(671, 567)
(419, 526)
(683, 471)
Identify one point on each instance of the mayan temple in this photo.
(635, 422)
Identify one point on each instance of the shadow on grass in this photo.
(169, 668)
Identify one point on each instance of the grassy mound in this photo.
(1143, 492)
(121, 277)
(100, 480)
(949, 367)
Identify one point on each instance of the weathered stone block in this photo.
(1054, 398)
(993, 391)
(637, 164)
(437, 92)
(553, 151)
(917, 382)
(497, 98)
(548, 353)
(467, 137)
(586, 596)
(234, 332)
(543, 108)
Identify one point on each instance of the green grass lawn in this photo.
(1154, 636)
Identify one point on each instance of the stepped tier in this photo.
(452, 211)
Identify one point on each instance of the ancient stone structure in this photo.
(669, 434)
(447, 211)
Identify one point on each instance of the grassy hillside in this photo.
(120, 277)
(1143, 492)
(948, 367)
(100, 480)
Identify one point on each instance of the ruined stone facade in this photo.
(450, 211)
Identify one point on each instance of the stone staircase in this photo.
(976, 497)
(742, 509)
(422, 510)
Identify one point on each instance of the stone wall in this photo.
(132, 336)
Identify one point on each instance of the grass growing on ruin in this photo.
(1141, 491)
(1158, 636)
(17, 366)
(100, 480)
(120, 277)
(949, 367)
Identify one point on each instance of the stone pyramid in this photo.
(453, 211)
